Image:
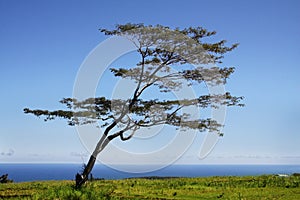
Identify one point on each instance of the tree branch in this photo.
(130, 136)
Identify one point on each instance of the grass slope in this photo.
(260, 187)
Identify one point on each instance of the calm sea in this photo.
(31, 172)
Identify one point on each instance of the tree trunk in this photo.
(82, 178)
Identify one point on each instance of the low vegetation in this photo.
(250, 187)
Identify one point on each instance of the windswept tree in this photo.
(161, 50)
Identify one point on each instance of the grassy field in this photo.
(257, 187)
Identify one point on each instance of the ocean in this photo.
(32, 172)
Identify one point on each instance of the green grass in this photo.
(260, 187)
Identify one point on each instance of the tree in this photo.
(160, 49)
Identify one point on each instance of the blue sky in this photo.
(43, 43)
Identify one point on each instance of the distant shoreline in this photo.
(36, 172)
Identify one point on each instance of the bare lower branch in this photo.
(130, 136)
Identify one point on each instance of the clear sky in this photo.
(43, 43)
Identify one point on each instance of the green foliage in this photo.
(197, 34)
(261, 187)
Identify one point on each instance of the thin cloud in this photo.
(76, 154)
(10, 152)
